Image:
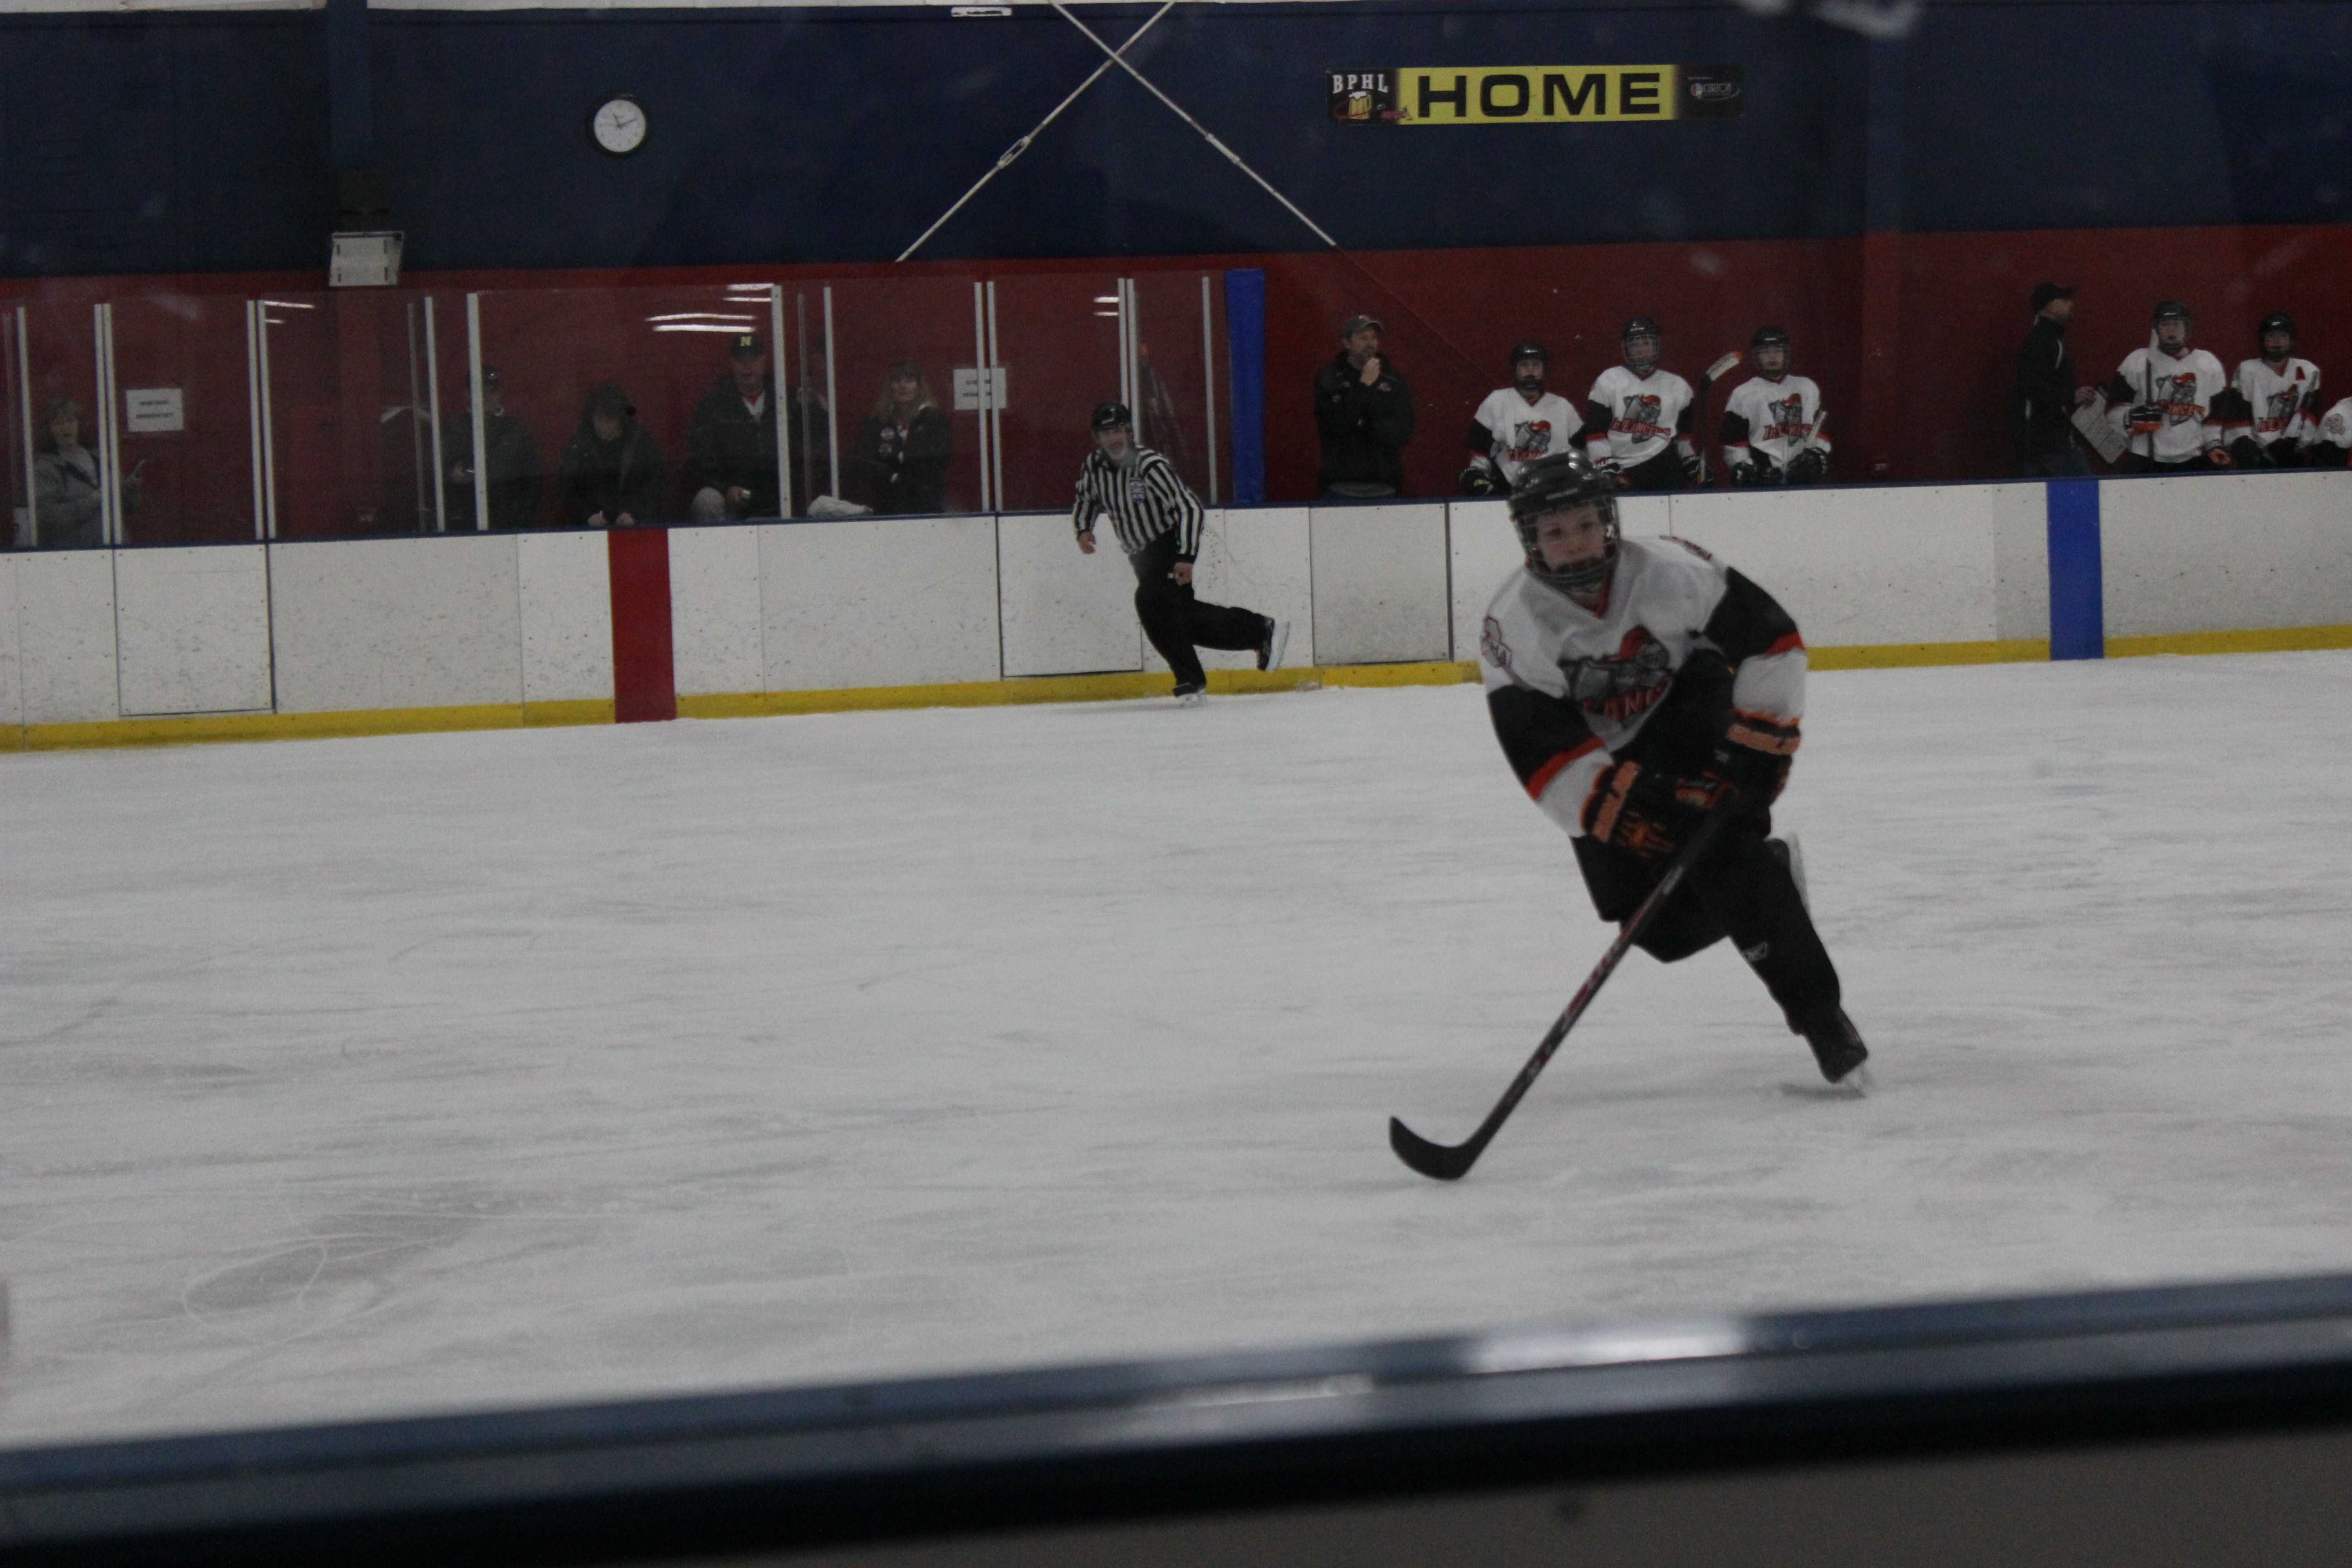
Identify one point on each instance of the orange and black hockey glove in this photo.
(1752, 755)
(1646, 811)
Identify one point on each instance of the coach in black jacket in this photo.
(730, 449)
(2042, 411)
(1364, 412)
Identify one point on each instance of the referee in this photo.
(1158, 520)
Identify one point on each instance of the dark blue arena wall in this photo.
(179, 143)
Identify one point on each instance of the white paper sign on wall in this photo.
(971, 386)
(151, 410)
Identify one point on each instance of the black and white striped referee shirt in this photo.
(1145, 499)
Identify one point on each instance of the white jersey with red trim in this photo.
(2335, 427)
(1606, 669)
(1778, 417)
(2184, 388)
(1645, 412)
(1524, 431)
(2285, 401)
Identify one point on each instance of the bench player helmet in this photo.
(1528, 349)
(1772, 338)
(2171, 310)
(1642, 341)
(1562, 481)
(2276, 322)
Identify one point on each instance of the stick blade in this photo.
(1438, 1162)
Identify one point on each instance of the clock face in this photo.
(619, 125)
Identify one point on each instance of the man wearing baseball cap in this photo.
(730, 448)
(2042, 411)
(1364, 412)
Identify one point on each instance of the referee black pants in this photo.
(1744, 890)
(1176, 622)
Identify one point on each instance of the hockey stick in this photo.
(1723, 366)
(1448, 1162)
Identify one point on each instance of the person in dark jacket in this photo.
(612, 473)
(514, 473)
(1364, 412)
(730, 448)
(901, 461)
(2042, 411)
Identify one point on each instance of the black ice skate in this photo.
(1271, 645)
(1191, 693)
(1837, 1047)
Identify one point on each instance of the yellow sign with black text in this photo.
(1534, 95)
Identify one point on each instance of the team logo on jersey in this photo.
(1625, 684)
(1530, 439)
(2283, 405)
(1639, 419)
(1787, 418)
(2179, 395)
(1491, 645)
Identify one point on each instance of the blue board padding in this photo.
(1245, 355)
(2077, 618)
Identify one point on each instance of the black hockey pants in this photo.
(1743, 889)
(1662, 472)
(1176, 622)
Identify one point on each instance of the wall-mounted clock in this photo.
(619, 125)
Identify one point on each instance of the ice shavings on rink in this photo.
(359, 1076)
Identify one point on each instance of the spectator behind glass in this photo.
(514, 473)
(612, 473)
(901, 462)
(2042, 411)
(1364, 412)
(69, 493)
(731, 450)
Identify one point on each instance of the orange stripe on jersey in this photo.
(1541, 781)
(1762, 732)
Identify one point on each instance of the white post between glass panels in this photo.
(993, 414)
(776, 400)
(802, 398)
(269, 424)
(433, 418)
(980, 394)
(1209, 384)
(832, 403)
(253, 412)
(25, 397)
(474, 383)
(110, 452)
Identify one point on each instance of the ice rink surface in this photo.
(353, 1078)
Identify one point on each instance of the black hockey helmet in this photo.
(1528, 348)
(1773, 338)
(1562, 481)
(2171, 310)
(1639, 329)
(2276, 322)
(1112, 416)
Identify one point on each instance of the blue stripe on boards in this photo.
(2077, 618)
(1245, 360)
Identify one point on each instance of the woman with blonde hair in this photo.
(902, 455)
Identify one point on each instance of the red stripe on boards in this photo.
(645, 682)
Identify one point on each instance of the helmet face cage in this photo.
(1644, 331)
(1771, 338)
(1564, 481)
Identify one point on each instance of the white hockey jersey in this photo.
(1645, 412)
(1569, 688)
(2183, 387)
(2334, 427)
(1524, 431)
(2285, 402)
(1777, 417)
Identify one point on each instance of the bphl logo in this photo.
(1362, 98)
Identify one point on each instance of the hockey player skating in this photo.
(1772, 422)
(1158, 520)
(1636, 685)
(2171, 400)
(1516, 424)
(1637, 417)
(2281, 394)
